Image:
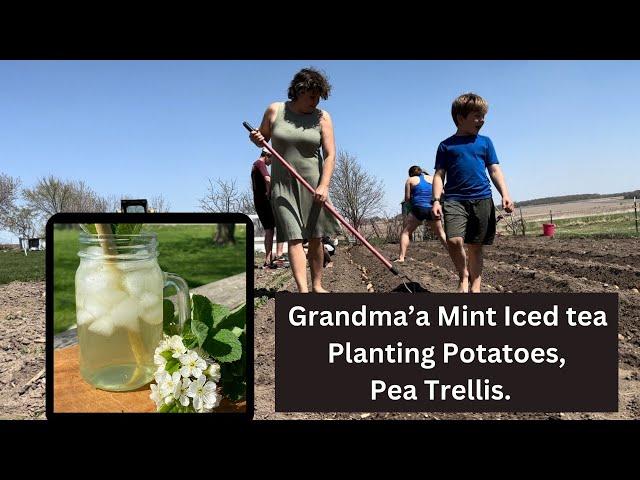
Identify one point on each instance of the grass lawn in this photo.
(186, 250)
(14, 265)
(614, 225)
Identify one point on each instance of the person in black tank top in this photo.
(417, 202)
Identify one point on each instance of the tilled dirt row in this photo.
(22, 350)
(511, 265)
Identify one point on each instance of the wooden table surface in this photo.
(71, 394)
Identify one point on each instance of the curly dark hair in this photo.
(309, 79)
(415, 171)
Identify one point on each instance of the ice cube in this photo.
(125, 314)
(79, 300)
(153, 315)
(134, 283)
(100, 280)
(102, 326)
(154, 281)
(83, 317)
(148, 300)
(110, 298)
(95, 307)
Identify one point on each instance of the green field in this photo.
(15, 266)
(617, 225)
(186, 250)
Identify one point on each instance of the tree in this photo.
(223, 196)
(355, 193)
(246, 204)
(159, 204)
(8, 195)
(22, 221)
(52, 195)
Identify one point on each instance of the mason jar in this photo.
(119, 298)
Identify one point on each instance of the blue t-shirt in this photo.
(465, 159)
(421, 194)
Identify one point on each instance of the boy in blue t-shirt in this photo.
(469, 213)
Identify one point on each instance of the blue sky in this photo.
(150, 127)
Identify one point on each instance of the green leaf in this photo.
(237, 332)
(235, 391)
(170, 324)
(224, 346)
(167, 355)
(236, 319)
(189, 339)
(89, 227)
(219, 313)
(200, 330)
(172, 365)
(201, 310)
(126, 228)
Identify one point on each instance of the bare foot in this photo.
(399, 260)
(463, 286)
(320, 290)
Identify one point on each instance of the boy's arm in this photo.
(438, 184)
(495, 172)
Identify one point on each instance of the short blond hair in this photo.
(468, 103)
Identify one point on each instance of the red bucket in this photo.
(548, 229)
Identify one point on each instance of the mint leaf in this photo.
(201, 311)
(224, 346)
(200, 330)
(235, 390)
(237, 331)
(89, 228)
(219, 313)
(126, 228)
(236, 319)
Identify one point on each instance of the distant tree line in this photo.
(575, 198)
(24, 211)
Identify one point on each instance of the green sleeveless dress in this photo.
(297, 137)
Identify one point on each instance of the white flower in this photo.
(156, 395)
(171, 386)
(177, 346)
(192, 365)
(162, 346)
(167, 384)
(203, 394)
(161, 376)
(201, 353)
(213, 372)
(181, 392)
(159, 360)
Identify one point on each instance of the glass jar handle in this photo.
(182, 297)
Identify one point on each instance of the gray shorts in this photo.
(473, 220)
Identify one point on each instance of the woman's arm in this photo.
(264, 131)
(407, 190)
(329, 154)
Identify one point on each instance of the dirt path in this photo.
(513, 264)
(22, 350)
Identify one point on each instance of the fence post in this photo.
(635, 209)
(524, 228)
